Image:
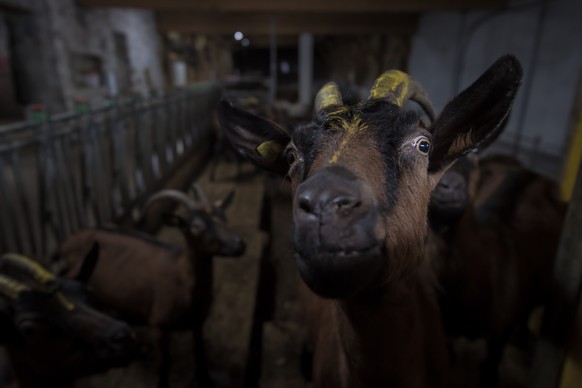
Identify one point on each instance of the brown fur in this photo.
(494, 274)
(359, 223)
(152, 283)
(391, 337)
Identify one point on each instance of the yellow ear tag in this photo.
(270, 150)
(68, 305)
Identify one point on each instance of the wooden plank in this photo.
(285, 336)
(558, 323)
(303, 5)
(228, 329)
(229, 326)
(287, 24)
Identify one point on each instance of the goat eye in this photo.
(422, 144)
(291, 157)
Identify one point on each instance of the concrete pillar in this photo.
(273, 58)
(305, 69)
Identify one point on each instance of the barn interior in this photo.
(105, 103)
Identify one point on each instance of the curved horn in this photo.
(329, 95)
(397, 87)
(201, 195)
(31, 269)
(11, 288)
(175, 195)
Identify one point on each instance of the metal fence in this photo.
(79, 170)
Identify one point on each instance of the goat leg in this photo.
(163, 346)
(202, 374)
(490, 366)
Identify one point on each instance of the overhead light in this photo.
(238, 35)
(245, 42)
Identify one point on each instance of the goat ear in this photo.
(89, 264)
(259, 140)
(226, 201)
(476, 114)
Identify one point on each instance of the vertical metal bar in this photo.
(273, 58)
(189, 124)
(139, 173)
(22, 201)
(89, 190)
(169, 131)
(42, 193)
(53, 216)
(119, 155)
(64, 185)
(101, 172)
(73, 144)
(157, 162)
(8, 216)
(149, 146)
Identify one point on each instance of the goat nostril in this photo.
(306, 204)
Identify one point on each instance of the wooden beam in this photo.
(333, 6)
(287, 24)
(16, 5)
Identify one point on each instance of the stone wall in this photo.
(67, 53)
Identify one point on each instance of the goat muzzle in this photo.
(336, 233)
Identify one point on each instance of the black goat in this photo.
(51, 335)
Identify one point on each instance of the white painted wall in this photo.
(557, 70)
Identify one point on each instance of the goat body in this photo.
(51, 335)
(495, 260)
(355, 341)
(161, 285)
(362, 176)
(137, 277)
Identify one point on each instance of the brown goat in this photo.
(362, 177)
(496, 225)
(153, 283)
(51, 335)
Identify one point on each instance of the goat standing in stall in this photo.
(496, 228)
(150, 282)
(362, 177)
(51, 335)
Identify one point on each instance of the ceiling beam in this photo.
(332, 6)
(286, 24)
(16, 5)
